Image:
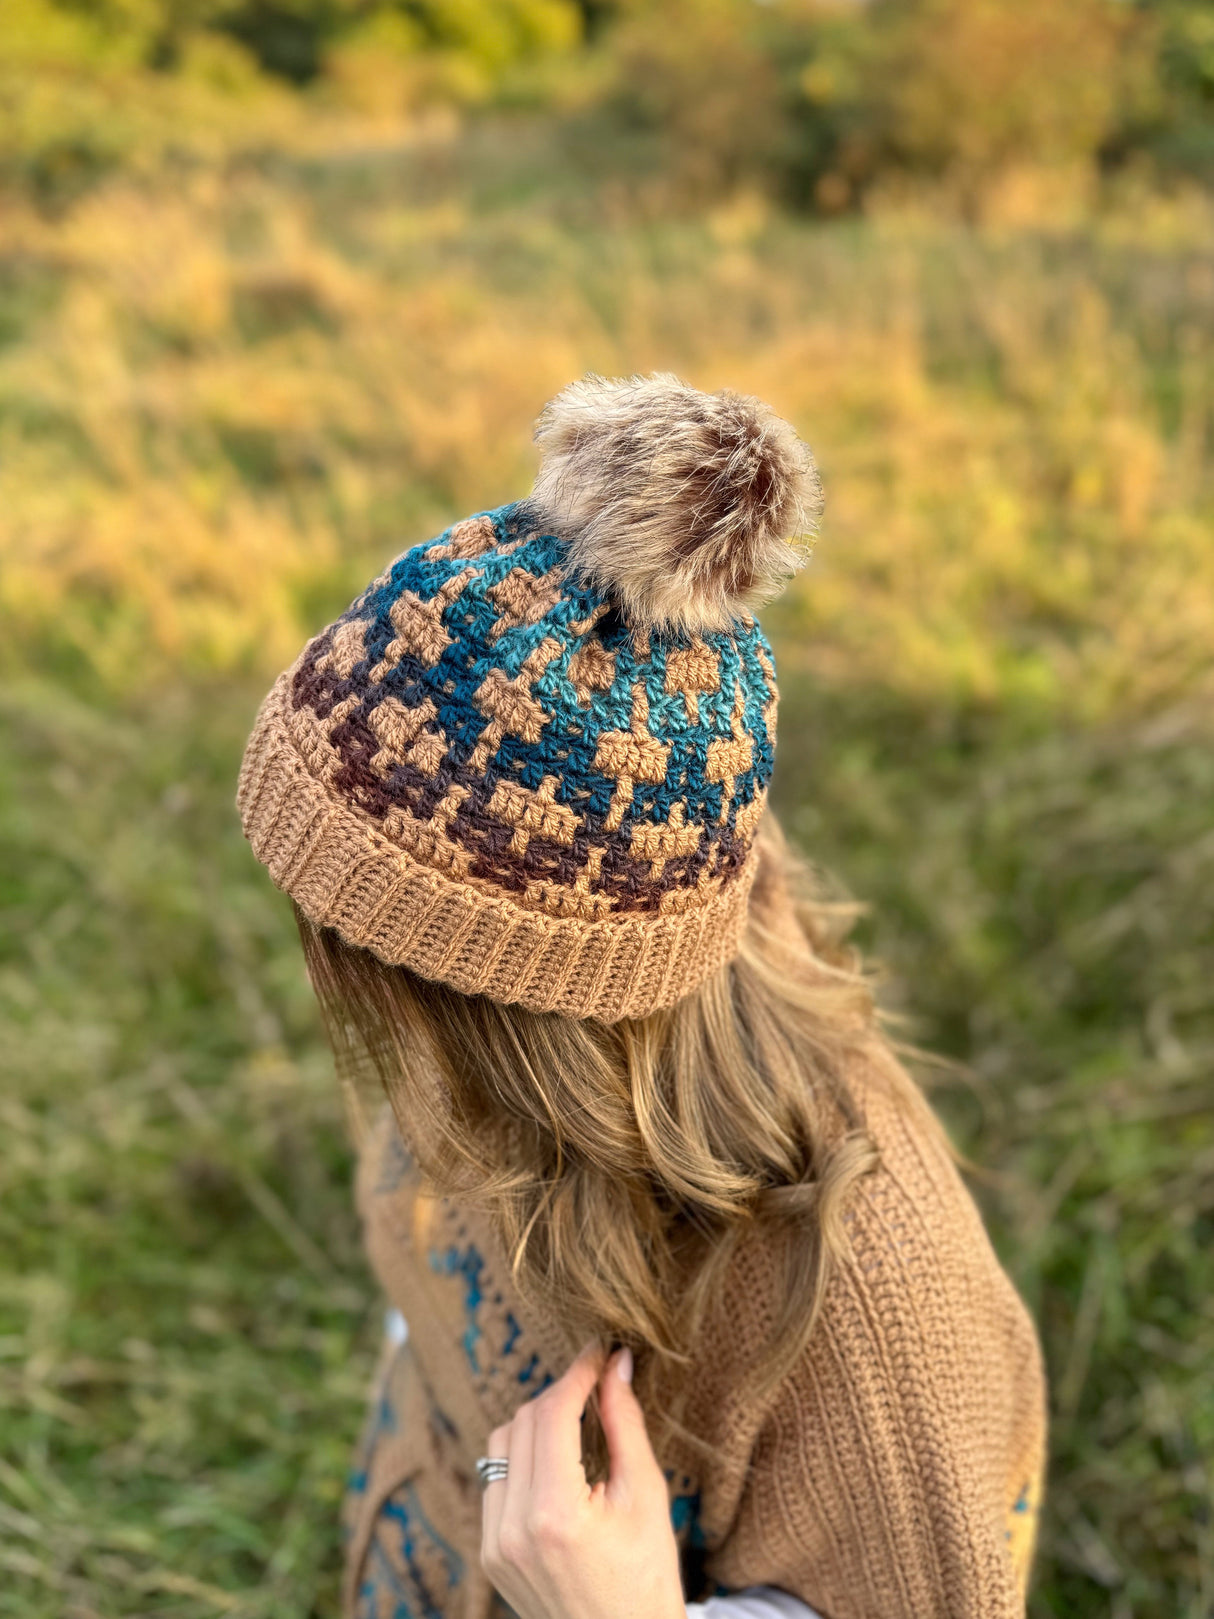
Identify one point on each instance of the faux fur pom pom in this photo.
(677, 504)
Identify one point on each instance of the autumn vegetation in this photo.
(283, 284)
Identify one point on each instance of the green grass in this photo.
(187, 1328)
(224, 399)
(187, 1331)
(1041, 903)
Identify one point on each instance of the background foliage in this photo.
(282, 285)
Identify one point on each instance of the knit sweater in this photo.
(756, 1602)
(894, 1473)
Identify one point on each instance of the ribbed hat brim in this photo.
(345, 874)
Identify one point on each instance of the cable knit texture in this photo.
(896, 1472)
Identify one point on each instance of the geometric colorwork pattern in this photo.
(501, 724)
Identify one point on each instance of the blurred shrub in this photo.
(79, 103)
(817, 102)
(463, 52)
(699, 78)
(971, 89)
(291, 39)
(821, 100)
(287, 37)
(1175, 127)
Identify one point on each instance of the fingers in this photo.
(516, 1507)
(557, 1444)
(494, 1497)
(544, 1478)
(632, 1464)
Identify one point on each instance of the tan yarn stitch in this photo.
(690, 671)
(568, 956)
(423, 752)
(895, 1473)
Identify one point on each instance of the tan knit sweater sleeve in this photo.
(898, 1472)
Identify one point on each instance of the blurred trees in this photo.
(816, 101)
(973, 88)
(1177, 126)
(293, 38)
(827, 98)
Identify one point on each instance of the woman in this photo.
(638, 1099)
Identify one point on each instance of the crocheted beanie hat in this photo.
(529, 761)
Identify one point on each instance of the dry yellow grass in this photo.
(244, 382)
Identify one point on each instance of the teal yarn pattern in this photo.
(505, 724)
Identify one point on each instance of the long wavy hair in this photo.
(622, 1164)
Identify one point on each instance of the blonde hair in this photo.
(622, 1164)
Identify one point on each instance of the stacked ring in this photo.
(491, 1470)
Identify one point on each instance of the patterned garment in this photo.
(408, 1568)
(411, 1571)
(474, 1352)
(411, 1515)
(483, 772)
(505, 725)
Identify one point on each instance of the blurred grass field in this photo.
(242, 369)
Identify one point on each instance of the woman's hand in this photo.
(554, 1547)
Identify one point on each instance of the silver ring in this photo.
(491, 1470)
